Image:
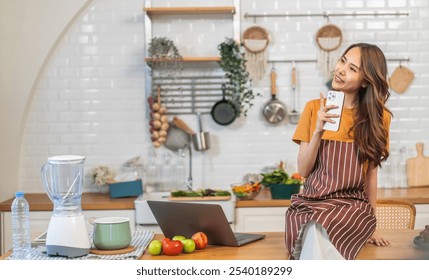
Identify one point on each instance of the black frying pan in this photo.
(224, 111)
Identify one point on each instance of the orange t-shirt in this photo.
(307, 124)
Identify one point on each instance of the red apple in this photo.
(171, 247)
(200, 239)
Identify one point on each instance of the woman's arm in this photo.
(371, 185)
(371, 191)
(308, 150)
(308, 153)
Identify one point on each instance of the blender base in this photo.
(67, 236)
(69, 252)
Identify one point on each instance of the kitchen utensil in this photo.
(112, 233)
(294, 115)
(182, 125)
(274, 111)
(417, 169)
(178, 135)
(62, 178)
(400, 79)
(201, 139)
(224, 111)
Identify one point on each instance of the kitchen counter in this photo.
(414, 195)
(90, 201)
(98, 201)
(272, 247)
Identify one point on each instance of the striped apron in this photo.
(334, 197)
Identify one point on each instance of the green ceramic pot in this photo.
(283, 191)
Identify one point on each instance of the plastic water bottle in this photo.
(20, 227)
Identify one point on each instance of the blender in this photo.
(67, 235)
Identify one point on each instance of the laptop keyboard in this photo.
(242, 236)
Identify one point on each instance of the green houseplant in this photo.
(281, 185)
(164, 59)
(238, 85)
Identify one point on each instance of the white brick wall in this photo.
(91, 99)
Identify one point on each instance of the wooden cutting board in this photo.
(204, 198)
(418, 169)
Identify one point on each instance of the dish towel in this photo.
(140, 240)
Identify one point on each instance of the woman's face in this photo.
(348, 75)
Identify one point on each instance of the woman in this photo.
(340, 190)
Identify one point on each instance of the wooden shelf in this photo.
(191, 59)
(189, 10)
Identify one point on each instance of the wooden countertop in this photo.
(414, 195)
(90, 201)
(273, 248)
(98, 201)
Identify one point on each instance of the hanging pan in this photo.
(224, 111)
(178, 135)
(274, 111)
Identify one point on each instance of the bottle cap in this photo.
(19, 194)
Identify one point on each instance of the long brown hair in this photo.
(370, 134)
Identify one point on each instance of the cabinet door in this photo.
(260, 219)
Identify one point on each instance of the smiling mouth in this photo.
(338, 79)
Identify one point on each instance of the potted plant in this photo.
(102, 176)
(164, 58)
(238, 85)
(281, 185)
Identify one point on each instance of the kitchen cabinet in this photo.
(39, 221)
(260, 219)
(272, 219)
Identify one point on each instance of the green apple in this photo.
(188, 245)
(178, 237)
(155, 247)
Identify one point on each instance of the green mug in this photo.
(111, 233)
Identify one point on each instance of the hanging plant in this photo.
(165, 59)
(238, 85)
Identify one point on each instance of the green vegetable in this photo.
(278, 176)
(200, 192)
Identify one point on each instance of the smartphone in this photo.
(334, 98)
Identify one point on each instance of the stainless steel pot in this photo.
(201, 139)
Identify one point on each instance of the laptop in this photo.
(181, 218)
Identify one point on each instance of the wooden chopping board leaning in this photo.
(417, 169)
(400, 79)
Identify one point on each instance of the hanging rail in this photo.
(400, 59)
(328, 14)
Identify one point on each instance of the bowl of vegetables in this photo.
(246, 190)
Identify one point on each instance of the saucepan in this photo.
(274, 110)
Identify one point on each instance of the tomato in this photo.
(171, 247)
(200, 239)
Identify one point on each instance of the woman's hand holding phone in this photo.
(330, 113)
